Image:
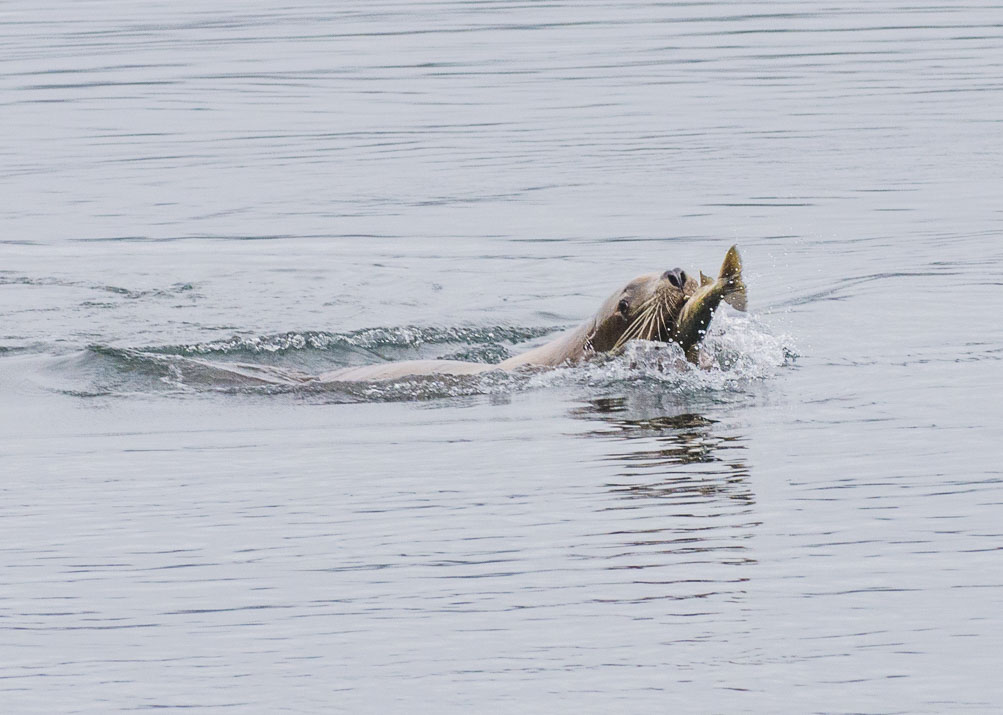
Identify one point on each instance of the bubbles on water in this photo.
(370, 338)
(424, 387)
(491, 353)
(742, 344)
(740, 349)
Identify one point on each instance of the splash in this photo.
(404, 337)
(739, 350)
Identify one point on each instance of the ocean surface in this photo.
(814, 524)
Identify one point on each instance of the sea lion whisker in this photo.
(667, 307)
(645, 332)
(646, 327)
(652, 318)
(663, 313)
(638, 321)
(651, 324)
(625, 337)
(655, 321)
(636, 326)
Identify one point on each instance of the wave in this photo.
(9, 278)
(404, 337)
(739, 350)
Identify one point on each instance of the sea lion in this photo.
(656, 306)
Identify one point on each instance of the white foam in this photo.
(739, 349)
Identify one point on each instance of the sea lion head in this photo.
(646, 308)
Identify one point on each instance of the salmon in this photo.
(694, 318)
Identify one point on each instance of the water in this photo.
(813, 526)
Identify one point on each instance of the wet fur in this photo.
(653, 304)
(662, 307)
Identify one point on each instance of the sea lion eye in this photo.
(623, 306)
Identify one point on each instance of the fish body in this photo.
(694, 318)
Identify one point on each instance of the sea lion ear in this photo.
(705, 280)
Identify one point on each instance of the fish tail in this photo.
(731, 276)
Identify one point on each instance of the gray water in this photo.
(812, 525)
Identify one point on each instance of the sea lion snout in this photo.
(677, 277)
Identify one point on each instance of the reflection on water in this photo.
(308, 185)
(686, 483)
(687, 453)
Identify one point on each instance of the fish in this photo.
(694, 318)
